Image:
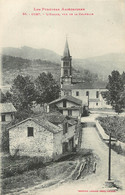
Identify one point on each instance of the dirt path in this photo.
(92, 140)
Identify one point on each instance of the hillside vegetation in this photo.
(13, 66)
(114, 124)
(102, 65)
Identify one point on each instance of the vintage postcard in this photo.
(62, 109)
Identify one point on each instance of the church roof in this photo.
(85, 85)
(66, 52)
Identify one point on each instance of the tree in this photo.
(122, 99)
(5, 97)
(89, 77)
(115, 87)
(2, 97)
(23, 92)
(123, 77)
(46, 88)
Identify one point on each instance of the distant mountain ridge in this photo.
(31, 53)
(100, 64)
(103, 65)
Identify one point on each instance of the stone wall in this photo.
(60, 138)
(101, 131)
(57, 147)
(41, 144)
(105, 137)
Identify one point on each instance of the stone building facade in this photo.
(39, 137)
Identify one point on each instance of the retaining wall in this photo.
(105, 137)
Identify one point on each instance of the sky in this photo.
(88, 35)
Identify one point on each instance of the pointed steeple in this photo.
(66, 52)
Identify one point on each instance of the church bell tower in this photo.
(66, 66)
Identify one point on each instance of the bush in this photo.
(115, 125)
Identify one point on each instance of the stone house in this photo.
(38, 137)
(70, 126)
(7, 111)
(67, 105)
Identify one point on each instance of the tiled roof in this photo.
(83, 85)
(95, 85)
(42, 122)
(99, 84)
(55, 117)
(7, 108)
(47, 125)
(69, 98)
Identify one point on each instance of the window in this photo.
(66, 64)
(65, 147)
(69, 112)
(77, 93)
(64, 103)
(87, 93)
(66, 72)
(97, 94)
(96, 104)
(30, 131)
(65, 128)
(3, 117)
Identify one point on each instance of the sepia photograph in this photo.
(62, 97)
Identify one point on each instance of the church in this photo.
(88, 93)
(76, 95)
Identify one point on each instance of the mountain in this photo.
(102, 65)
(31, 53)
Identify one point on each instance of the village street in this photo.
(95, 181)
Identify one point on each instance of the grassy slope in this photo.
(45, 175)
